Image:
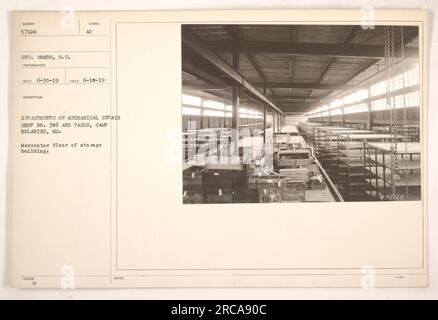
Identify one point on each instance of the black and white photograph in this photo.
(300, 113)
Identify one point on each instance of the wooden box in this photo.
(270, 195)
(297, 185)
(218, 179)
(214, 195)
(313, 169)
(246, 196)
(294, 157)
(193, 195)
(286, 163)
(193, 177)
(265, 181)
(293, 195)
(296, 174)
(317, 183)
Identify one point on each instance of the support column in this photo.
(274, 121)
(236, 103)
(236, 100)
(279, 122)
(343, 116)
(370, 111)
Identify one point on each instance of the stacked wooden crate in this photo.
(269, 187)
(296, 183)
(293, 157)
(222, 182)
(193, 191)
(295, 163)
(317, 183)
(291, 151)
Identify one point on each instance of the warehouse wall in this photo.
(217, 122)
(379, 117)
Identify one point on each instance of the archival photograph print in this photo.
(300, 113)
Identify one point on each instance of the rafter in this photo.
(308, 48)
(234, 33)
(198, 46)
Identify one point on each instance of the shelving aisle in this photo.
(330, 151)
(307, 130)
(351, 158)
(319, 140)
(326, 142)
(382, 158)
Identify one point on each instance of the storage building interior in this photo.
(300, 113)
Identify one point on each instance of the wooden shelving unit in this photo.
(393, 173)
(411, 130)
(307, 130)
(326, 140)
(351, 158)
(319, 139)
(329, 157)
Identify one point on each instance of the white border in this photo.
(278, 293)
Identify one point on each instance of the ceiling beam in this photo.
(298, 109)
(297, 85)
(235, 34)
(188, 85)
(346, 39)
(336, 50)
(200, 73)
(354, 30)
(195, 44)
(297, 97)
(410, 33)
